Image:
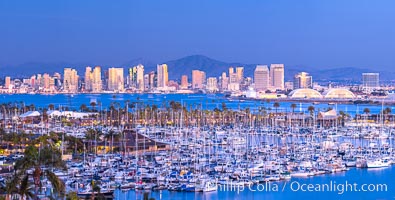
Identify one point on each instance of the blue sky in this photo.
(313, 33)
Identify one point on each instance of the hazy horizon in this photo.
(315, 34)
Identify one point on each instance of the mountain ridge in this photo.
(185, 65)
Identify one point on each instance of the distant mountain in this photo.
(148, 65)
(185, 65)
(212, 67)
(348, 74)
(28, 69)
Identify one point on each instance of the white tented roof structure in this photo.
(305, 93)
(30, 114)
(69, 114)
(53, 113)
(331, 114)
(339, 93)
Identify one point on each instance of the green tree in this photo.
(276, 105)
(293, 106)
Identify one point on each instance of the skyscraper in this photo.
(115, 79)
(152, 80)
(97, 83)
(212, 84)
(7, 82)
(224, 81)
(184, 82)
(240, 74)
(88, 79)
(46, 82)
(277, 76)
(303, 80)
(261, 77)
(163, 76)
(70, 80)
(198, 79)
(370, 81)
(234, 84)
(140, 77)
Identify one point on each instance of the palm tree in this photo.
(366, 110)
(11, 186)
(26, 188)
(293, 106)
(311, 109)
(51, 107)
(343, 116)
(83, 108)
(112, 136)
(276, 105)
(41, 154)
(93, 105)
(385, 113)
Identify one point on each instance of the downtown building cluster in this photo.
(267, 80)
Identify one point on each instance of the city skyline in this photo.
(265, 83)
(289, 32)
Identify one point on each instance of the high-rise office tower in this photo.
(198, 79)
(46, 81)
(162, 76)
(303, 80)
(97, 83)
(370, 81)
(153, 80)
(7, 82)
(184, 82)
(146, 82)
(240, 74)
(140, 77)
(224, 81)
(261, 77)
(70, 80)
(115, 79)
(277, 76)
(212, 84)
(88, 79)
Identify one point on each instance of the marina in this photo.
(173, 152)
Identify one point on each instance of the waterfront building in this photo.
(302, 80)
(115, 79)
(7, 82)
(88, 79)
(224, 81)
(152, 80)
(39, 81)
(261, 77)
(198, 79)
(57, 79)
(139, 81)
(212, 84)
(46, 83)
(172, 85)
(97, 83)
(162, 76)
(70, 80)
(338, 93)
(305, 93)
(289, 85)
(370, 81)
(146, 82)
(136, 77)
(277, 76)
(240, 74)
(234, 84)
(184, 82)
